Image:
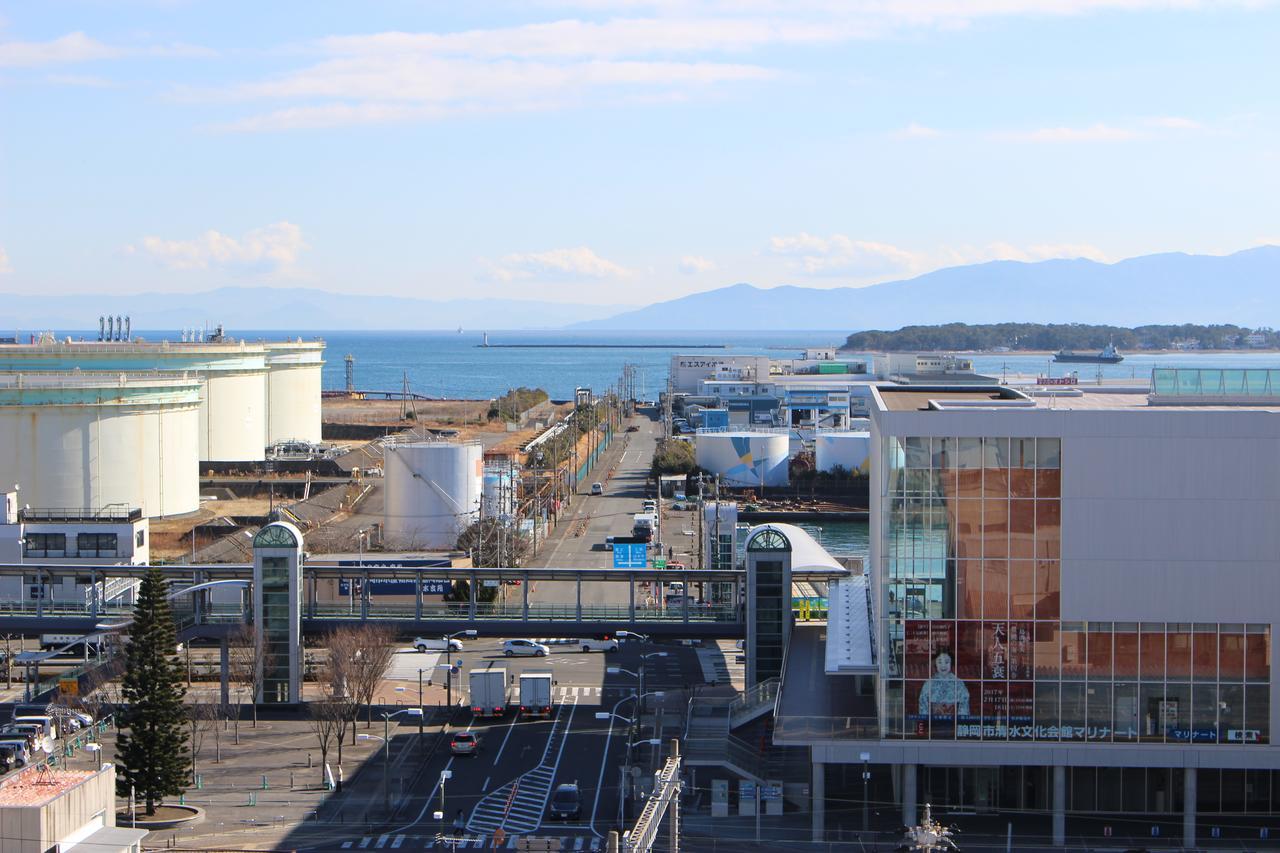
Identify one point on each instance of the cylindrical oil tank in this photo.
(431, 492)
(89, 441)
(293, 390)
(745, 459)
(499, 492)
(848, 450)
(233, 376)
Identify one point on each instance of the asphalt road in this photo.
(507, 784)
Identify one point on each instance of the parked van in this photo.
(19, 752)
(50, 726)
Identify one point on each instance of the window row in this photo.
(1075, 651)
(970, 453)
(55, 545)
(991, 527)
(974, 589)
(975, 483)
(949, 709)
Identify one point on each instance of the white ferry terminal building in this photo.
(1073, 599)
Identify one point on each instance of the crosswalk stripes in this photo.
(562, 694)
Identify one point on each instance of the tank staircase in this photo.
(518, 806)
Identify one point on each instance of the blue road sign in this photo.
(630, 555)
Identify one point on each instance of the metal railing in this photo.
(789, 727)
(764, 693)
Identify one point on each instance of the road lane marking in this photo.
(510, 728)
(364, 842)
(485, 786)
(398, 841)
(382, 841)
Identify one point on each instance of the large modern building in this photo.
(1074, 597)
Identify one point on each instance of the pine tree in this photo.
(153, 756)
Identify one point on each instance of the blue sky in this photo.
(622, 151)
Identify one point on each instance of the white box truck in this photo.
(535, 694)
(488, 692)
(644, 525)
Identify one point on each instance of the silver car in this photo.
(513, 648)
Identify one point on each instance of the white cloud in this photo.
(654, 51)
(841, 255)
(1174, 123)
(271, 250)
(864, 260)
(71, 48)
(1093, 133)
(576, 264)
(916, 131)
(76, 47)
(5, 266)
(693, 264)
(87, 81)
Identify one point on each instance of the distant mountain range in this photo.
(303, 309)
(1167, 288)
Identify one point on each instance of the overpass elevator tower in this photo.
(277, 608)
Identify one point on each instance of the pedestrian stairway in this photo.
(518, 806)
(467, 841)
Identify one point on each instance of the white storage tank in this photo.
(293, 390)
(499, 492)
(431, 492)
(745, 459)
(233, 376)
(88, 441)
(848, 450)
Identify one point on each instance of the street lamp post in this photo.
(386, 751)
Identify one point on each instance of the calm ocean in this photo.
(455, 365)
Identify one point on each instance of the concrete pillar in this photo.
(908, 795)
(1189, 807)
(1059, 805)
(818, 799)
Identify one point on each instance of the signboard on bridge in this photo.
(630, 555)
(394, 586)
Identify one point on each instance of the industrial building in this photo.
(1074, 603)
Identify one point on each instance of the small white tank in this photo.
(848, 450)
(499, 493)
(432, 493)
(745, 459)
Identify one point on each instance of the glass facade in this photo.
(977, 647)
(276, 617)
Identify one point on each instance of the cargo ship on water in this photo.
(1108, 355)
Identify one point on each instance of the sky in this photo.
(621, 152)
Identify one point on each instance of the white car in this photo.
(597, 488)
(437, 644)
(511, 648)
(589, 645)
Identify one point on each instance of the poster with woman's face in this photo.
(961, 677)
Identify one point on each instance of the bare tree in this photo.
(202, 717)
(247, 664)
(358, 658)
